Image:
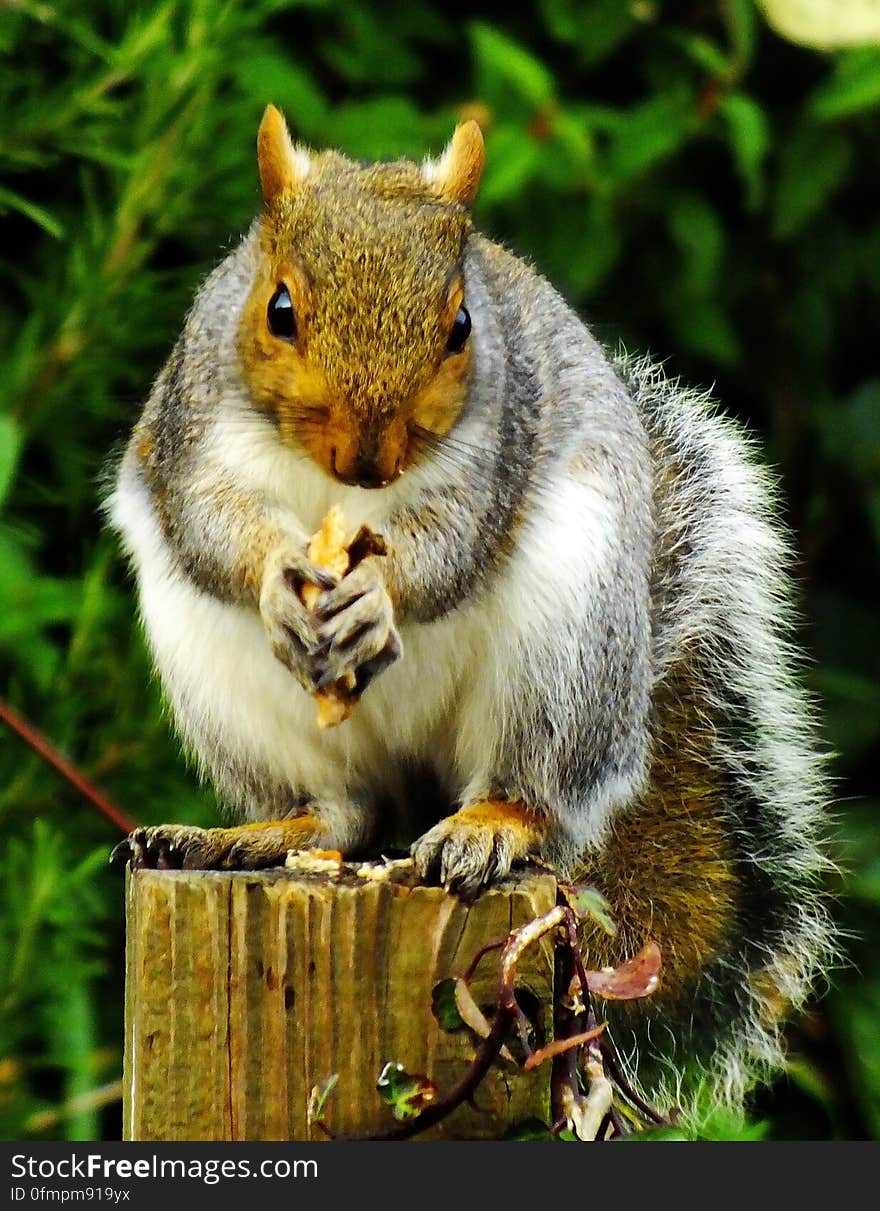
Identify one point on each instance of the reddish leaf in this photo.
(638, 977)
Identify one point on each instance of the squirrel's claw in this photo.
(289, 625)
(162, 848)
(392, 651)
(477, 846)
(123, 852)
(247, 847)
(463, 861)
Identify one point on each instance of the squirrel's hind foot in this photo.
(246, 847)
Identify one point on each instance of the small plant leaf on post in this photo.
(319, 1097)
(407, 1095)
(588, 902)
(444, 1006)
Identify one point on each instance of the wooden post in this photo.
(245, 990)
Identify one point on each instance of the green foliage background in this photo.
(696, 185)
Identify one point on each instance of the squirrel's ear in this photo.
(282, 166)
(455, 176)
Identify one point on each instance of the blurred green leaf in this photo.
(593, 28)
(513, 161)
(668, 1135)
(859, 839)
(376, 50)
(646, 134)
(10, 445)
(722, 1123)
(266, 74)
(855, 1011)
(704, 326)
(811, 1080)
(582, 246)
(320, 1095)
(853, 702)
(854, 85)
(750, 140)
(741, 18)
(504, 68)
(444, 1007)
(851, 431)
(703, 52)
(588, 902)
(37, 214)
(380, 128)
(814, 164)
(699, 237)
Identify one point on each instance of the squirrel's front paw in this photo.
(291, 627)
(356, 630)
(478, 845)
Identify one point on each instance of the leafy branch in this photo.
(581, 1052)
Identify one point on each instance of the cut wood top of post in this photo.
(328, 867)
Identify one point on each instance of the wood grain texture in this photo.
(243, 991)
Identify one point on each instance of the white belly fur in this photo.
(223, 682)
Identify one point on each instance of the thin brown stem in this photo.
(93, 1099)
(563, 1076)
(560, 1046)
(475, 961)
(47, 751)
(577, 957)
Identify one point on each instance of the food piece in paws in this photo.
(328, 549)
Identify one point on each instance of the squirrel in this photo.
(581, 629)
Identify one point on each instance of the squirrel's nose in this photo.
(366, 474)
(363, 472)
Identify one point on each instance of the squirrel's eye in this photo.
(461, 330)
(282, 321)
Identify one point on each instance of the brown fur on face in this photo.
(436, 407)
(372, 259)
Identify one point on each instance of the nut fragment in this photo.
(328, 549)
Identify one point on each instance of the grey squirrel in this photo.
(581, 625)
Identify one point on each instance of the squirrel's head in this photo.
(355, 336)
